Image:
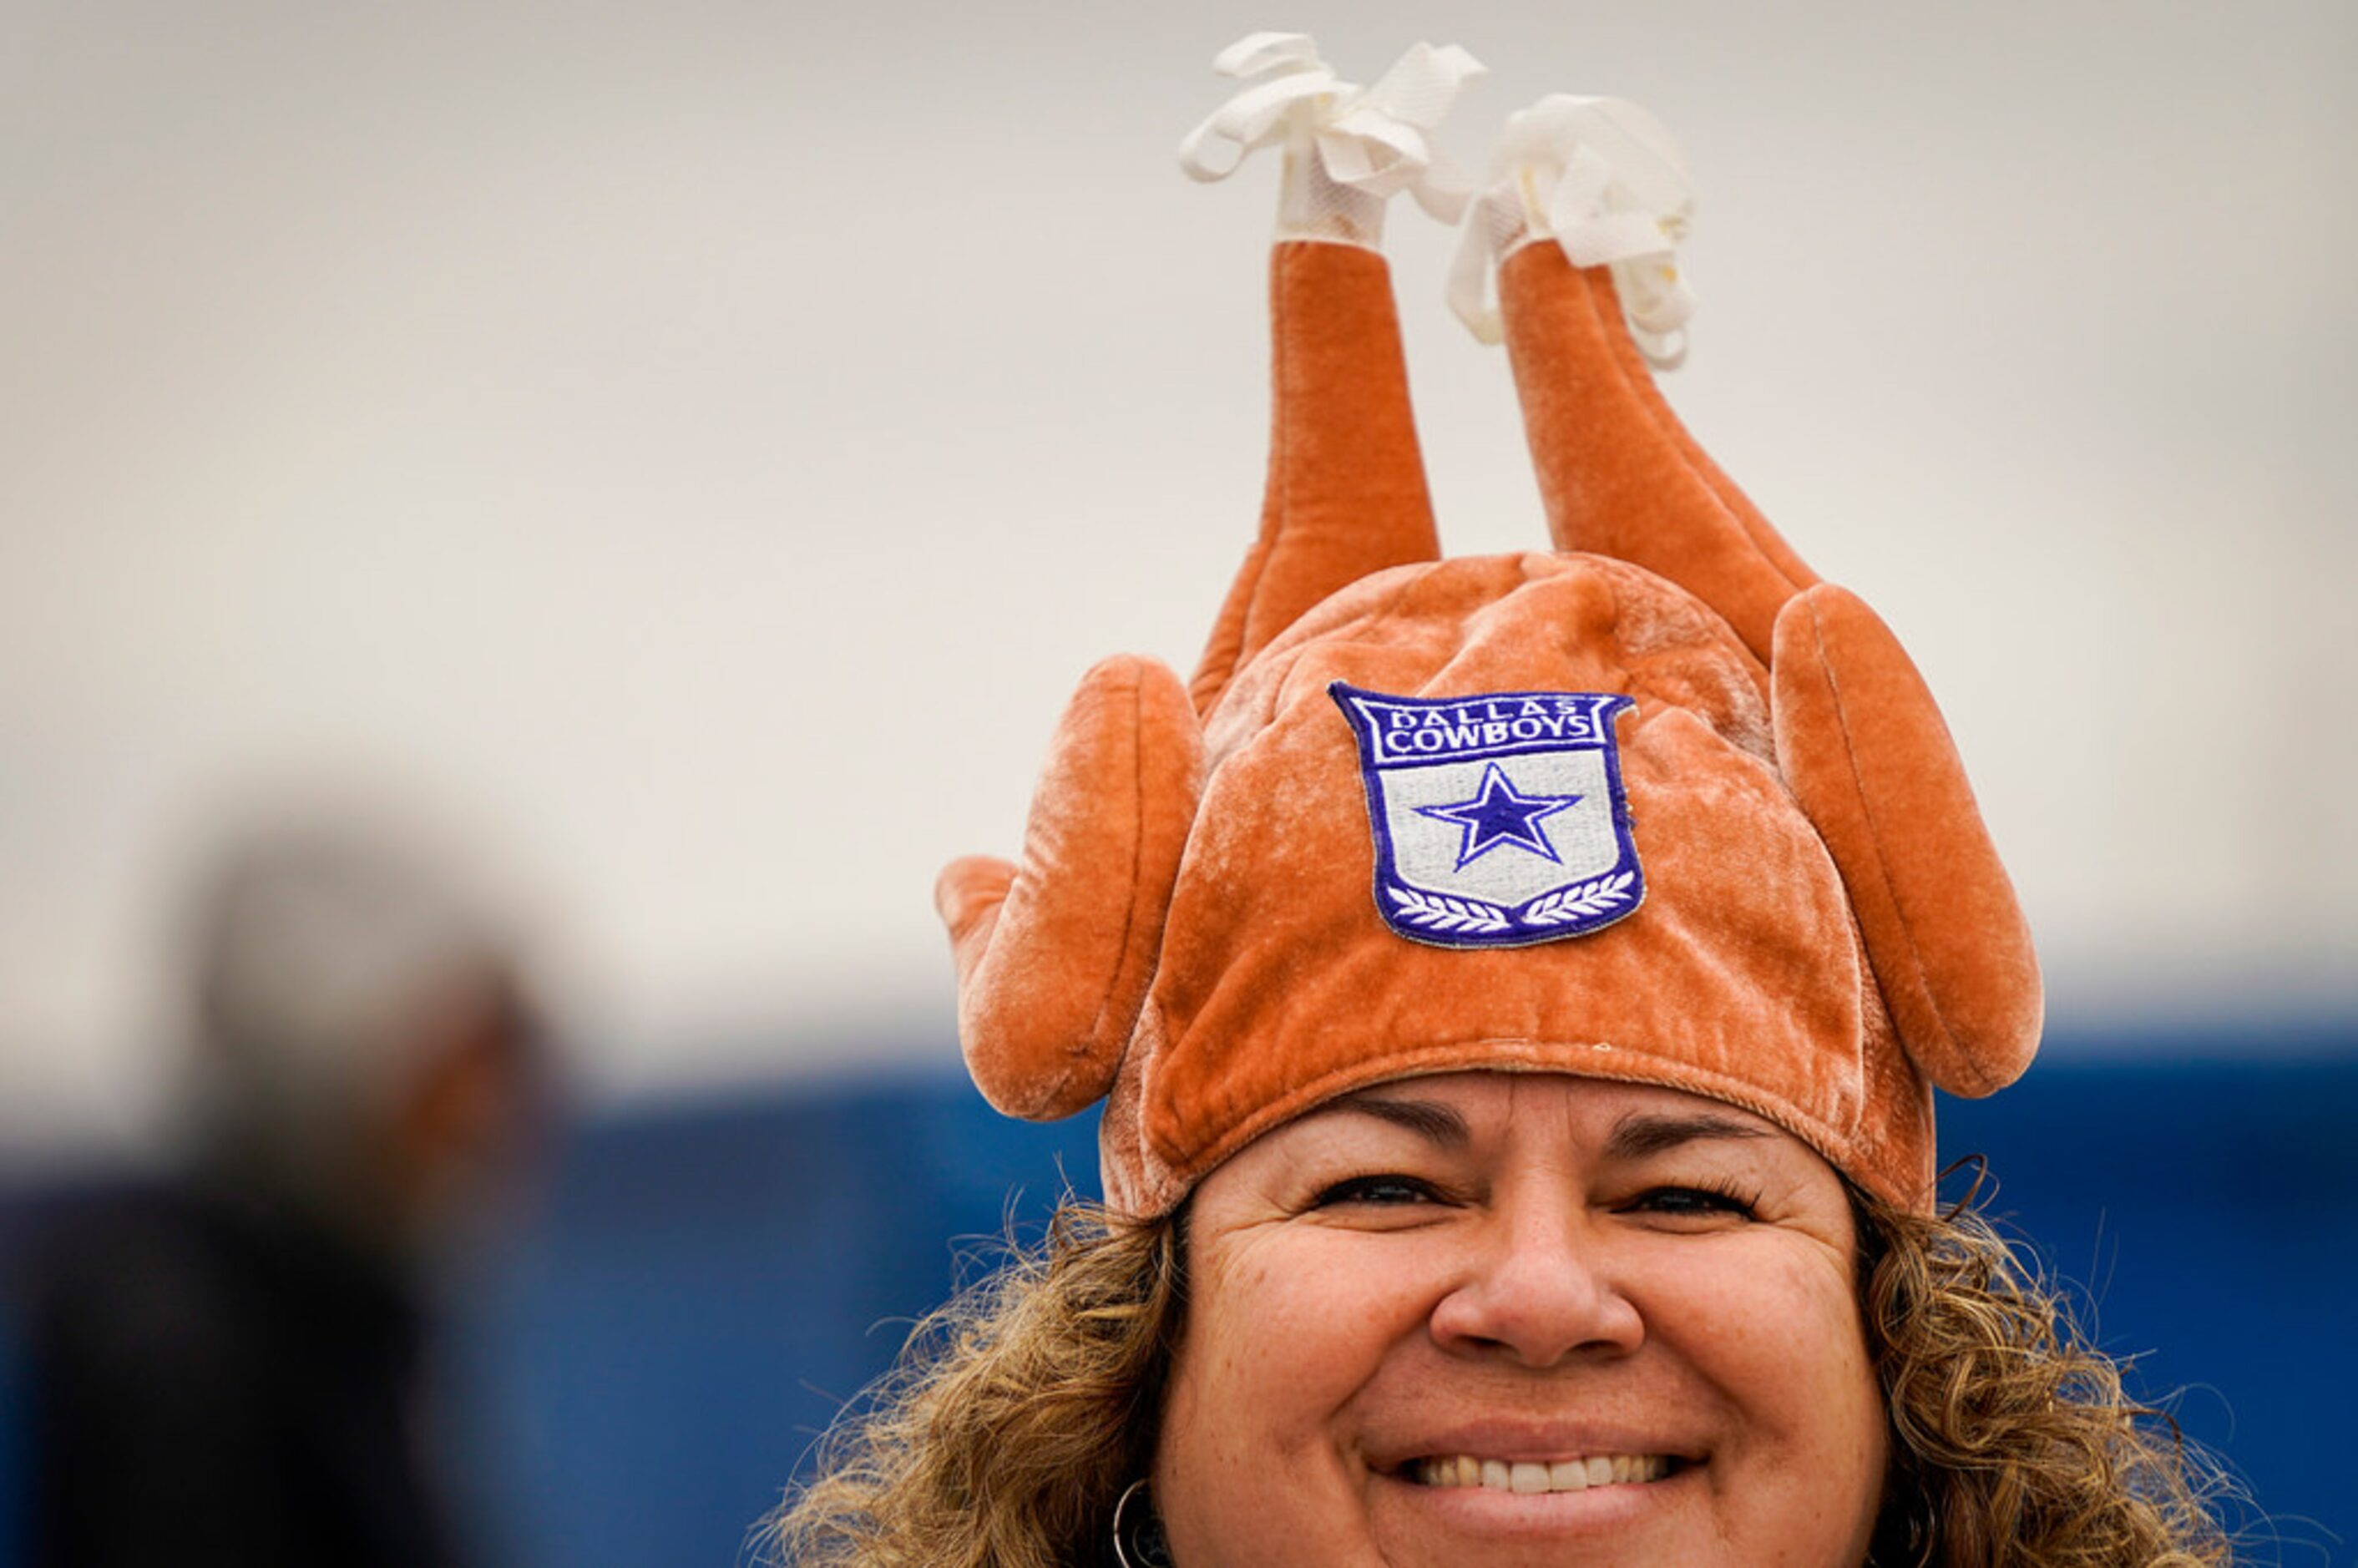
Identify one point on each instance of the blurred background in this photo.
(691, 451)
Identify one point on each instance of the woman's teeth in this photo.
(1527, 1475)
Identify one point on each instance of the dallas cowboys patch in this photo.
(1500, 819)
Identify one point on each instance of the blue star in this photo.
(1499, 816)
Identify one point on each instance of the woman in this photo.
(1517, 986)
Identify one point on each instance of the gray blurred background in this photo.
(701, 444)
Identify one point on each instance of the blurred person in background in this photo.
(229, 1366)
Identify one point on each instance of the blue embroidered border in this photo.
(1448, 921)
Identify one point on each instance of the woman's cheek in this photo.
(1290, 1325)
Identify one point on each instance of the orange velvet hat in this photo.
(1658, 806)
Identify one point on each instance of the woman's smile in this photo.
(1508, 1501)
(1483, 1316)
(1515, 1488)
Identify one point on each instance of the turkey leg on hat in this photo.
(1858, 738)
(1054, 952)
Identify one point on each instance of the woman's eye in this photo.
(1383, 1191)
(1684, 1203)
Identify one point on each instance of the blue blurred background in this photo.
(711, 1281)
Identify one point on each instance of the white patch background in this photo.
(1425, 848)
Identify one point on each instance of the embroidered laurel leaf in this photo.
(1439, 912)
(1566, 904)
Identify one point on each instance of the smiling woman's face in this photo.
(1507, 1319)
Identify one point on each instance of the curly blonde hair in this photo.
(2014, 1443)
(1022, 1410)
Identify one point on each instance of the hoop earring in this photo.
(1141, 1544)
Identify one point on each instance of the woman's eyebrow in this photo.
(1428, 1119)
(1638, 1134)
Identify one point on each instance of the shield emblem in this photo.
(1500, 820)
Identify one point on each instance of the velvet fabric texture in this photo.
(1193, 928)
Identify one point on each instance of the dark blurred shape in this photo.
(228, 1365)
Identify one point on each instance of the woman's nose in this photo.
(1537, 1287)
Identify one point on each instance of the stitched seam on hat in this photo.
(1137, 858)
(1875, 838)
(1280, 501)
(1357, 629)
(1077, 1057)
(1667, 423)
